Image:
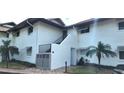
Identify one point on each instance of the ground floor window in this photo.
(121, 52)
(29, 51)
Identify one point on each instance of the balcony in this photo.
(45, 48)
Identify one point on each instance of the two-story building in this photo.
(48, 43)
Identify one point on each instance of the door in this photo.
(43, 61)
(73, 56)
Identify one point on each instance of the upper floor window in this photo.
(17, 34)
(30, 30)
(121, 25)
(84, 30)
(7, 35)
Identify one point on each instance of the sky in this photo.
(67, 21)
(19, 10)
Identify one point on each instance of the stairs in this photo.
(59, 40)
(47, 48)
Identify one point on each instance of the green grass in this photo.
(88, 70)
(16, 65)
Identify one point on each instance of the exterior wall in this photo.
(108, 33)
(47, 34)
(23, 41)
(42, 34)
(62, 52)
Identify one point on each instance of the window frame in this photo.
(18, 34)
(7, 35)
(84, 30)
(29, 49)
(30, 30)
(120, 57)
(121, 25)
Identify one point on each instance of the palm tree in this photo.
(100, 51)
(6, 51)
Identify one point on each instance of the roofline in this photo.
(88, 22)
(34, 20)
(24, 23)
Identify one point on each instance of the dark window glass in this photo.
(121, 54)
(84, 30)
(29, 51)
(121, 25)
(7, 35)
(30, 30)
(17, 34)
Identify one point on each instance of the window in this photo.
(30, 30)
(7, 35)
(17, 34)
(121, 25)
(121, 54)
(84, 30)
(29, 51)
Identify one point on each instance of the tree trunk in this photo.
(99, 60)
(7, 59)
(7, 62)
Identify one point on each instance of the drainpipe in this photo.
(77, 42)
(36, 34)
(29, 23)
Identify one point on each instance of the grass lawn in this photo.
(88, 70)
(16, 65)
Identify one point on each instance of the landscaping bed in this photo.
(16, 65)
(90, 69)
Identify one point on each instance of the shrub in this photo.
(81, 61)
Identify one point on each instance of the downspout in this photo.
(77, 47)
(29, 23)
(36, 34)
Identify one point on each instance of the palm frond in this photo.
(91, 52)
(109, 53)
(107, 47)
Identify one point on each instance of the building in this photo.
(48, 43)
(107, 30)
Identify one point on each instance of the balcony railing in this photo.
(45, 48)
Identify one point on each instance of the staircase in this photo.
(60, 39)
(47, 48)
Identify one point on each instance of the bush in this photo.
(81, 61)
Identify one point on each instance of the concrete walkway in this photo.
(31, 71)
